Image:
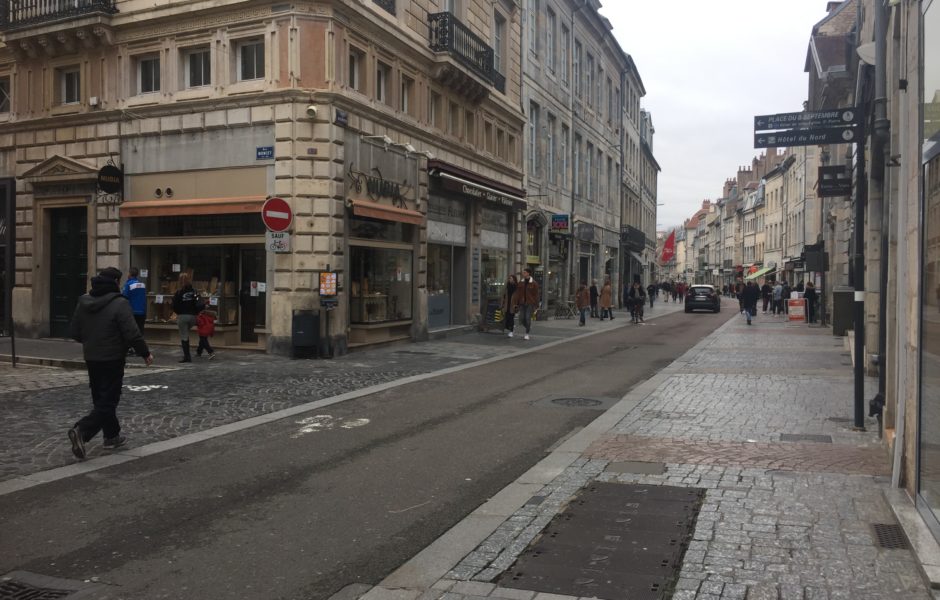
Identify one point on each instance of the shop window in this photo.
(69, 88)
(380, 284)
(197, 68)
(389, 231)
(208, 225)
(4, 94)
(214, 273)
(250, 57)
(148, 73)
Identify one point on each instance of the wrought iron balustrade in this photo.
(448, 34)
(387, 5)
(18, 13)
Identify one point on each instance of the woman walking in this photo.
(583, 302)
(606, 300)
(186, 304)
(510, 317)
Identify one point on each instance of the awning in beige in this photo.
(384, 212)
(194, 206)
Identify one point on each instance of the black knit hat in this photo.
(111, 273)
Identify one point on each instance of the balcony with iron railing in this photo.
(21, 13)
(448, 34)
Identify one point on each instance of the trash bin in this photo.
(305, 333)
(843, 309)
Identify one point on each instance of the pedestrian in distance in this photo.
(674, 288)
(186, 304)
(525, 300)
(205, 327)
(509, 318)
(785, 295)
(809, 292)
(136, 293)
(637, 297)
(606, 300)
(778, 299)
(766, 295)
(651, 293)
(749, 298)
(104, 324)
(594, 296)
(582, 301)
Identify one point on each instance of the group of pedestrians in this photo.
(109, 323)
(774, 296)
(521, 297)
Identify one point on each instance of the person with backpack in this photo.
(186, 304)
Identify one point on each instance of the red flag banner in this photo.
(669, 248)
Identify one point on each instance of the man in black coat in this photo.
(749, 297)
(594, 295)
(766, 293)
(104, 323)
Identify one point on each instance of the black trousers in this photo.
(105, 378)
(204, 345)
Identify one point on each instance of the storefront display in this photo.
(494, 240)
(380, 284)
(447, 261)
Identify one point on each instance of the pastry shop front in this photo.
(219, 242)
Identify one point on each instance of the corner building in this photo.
(392, 129)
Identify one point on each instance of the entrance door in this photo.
(69, 266)
(251, 298)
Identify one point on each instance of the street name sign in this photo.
(805, 137)
(843, 117)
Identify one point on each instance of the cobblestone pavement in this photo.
(781, 519)
(166, 402)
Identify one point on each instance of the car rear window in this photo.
(701, 291)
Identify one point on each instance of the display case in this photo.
(380, 285)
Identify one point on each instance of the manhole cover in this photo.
(23, 585)
(612, 541)
(577, 402)
(890, 536)
(642, 468)
(805, 437)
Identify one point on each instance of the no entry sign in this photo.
(276, 214)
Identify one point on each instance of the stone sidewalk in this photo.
(758, 416)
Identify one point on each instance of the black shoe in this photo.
(185, 359)
(78, 444)
(115, 442)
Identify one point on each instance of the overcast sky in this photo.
(708, 69)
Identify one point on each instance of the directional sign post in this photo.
(276, 214)
(841, 126)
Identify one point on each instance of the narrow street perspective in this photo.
(469, 299)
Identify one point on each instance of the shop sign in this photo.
(834, 181)
(561, 224)
(377, 187)
(796, 310)
(533, 260)
(277, 241)
(328, 283)
(473, 191)
(110, 179)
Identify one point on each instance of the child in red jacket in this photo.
(205, 327)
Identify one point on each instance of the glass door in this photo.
(68, 267)
(253, 292)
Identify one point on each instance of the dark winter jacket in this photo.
(187, 302)
(750, 295)
(104, 323)
(527, 293)
(593, 295)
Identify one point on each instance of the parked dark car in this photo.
(702, 297)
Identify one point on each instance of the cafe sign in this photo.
(377, 187)
(452, 184)
(560, 224)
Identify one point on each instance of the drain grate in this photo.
(577, 402)
(890, 536)
(805, 437)
(24, 585)
(612, 541)
(11, 589)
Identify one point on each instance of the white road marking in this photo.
(145, 388)
(326, 423)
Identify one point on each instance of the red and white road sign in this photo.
(276, 214)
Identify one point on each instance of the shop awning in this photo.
(195, 206)
(479, 190)
(384, 212)
(636, 256)
(760, 272)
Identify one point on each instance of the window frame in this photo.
(141, 62)
(6, 93)
(550, 24)
(188, 55)
(406, 99)
(383, 82)
(62, 75)
(243, 45)
(355, 60)
(565, 53)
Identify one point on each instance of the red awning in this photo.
(384, 212)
